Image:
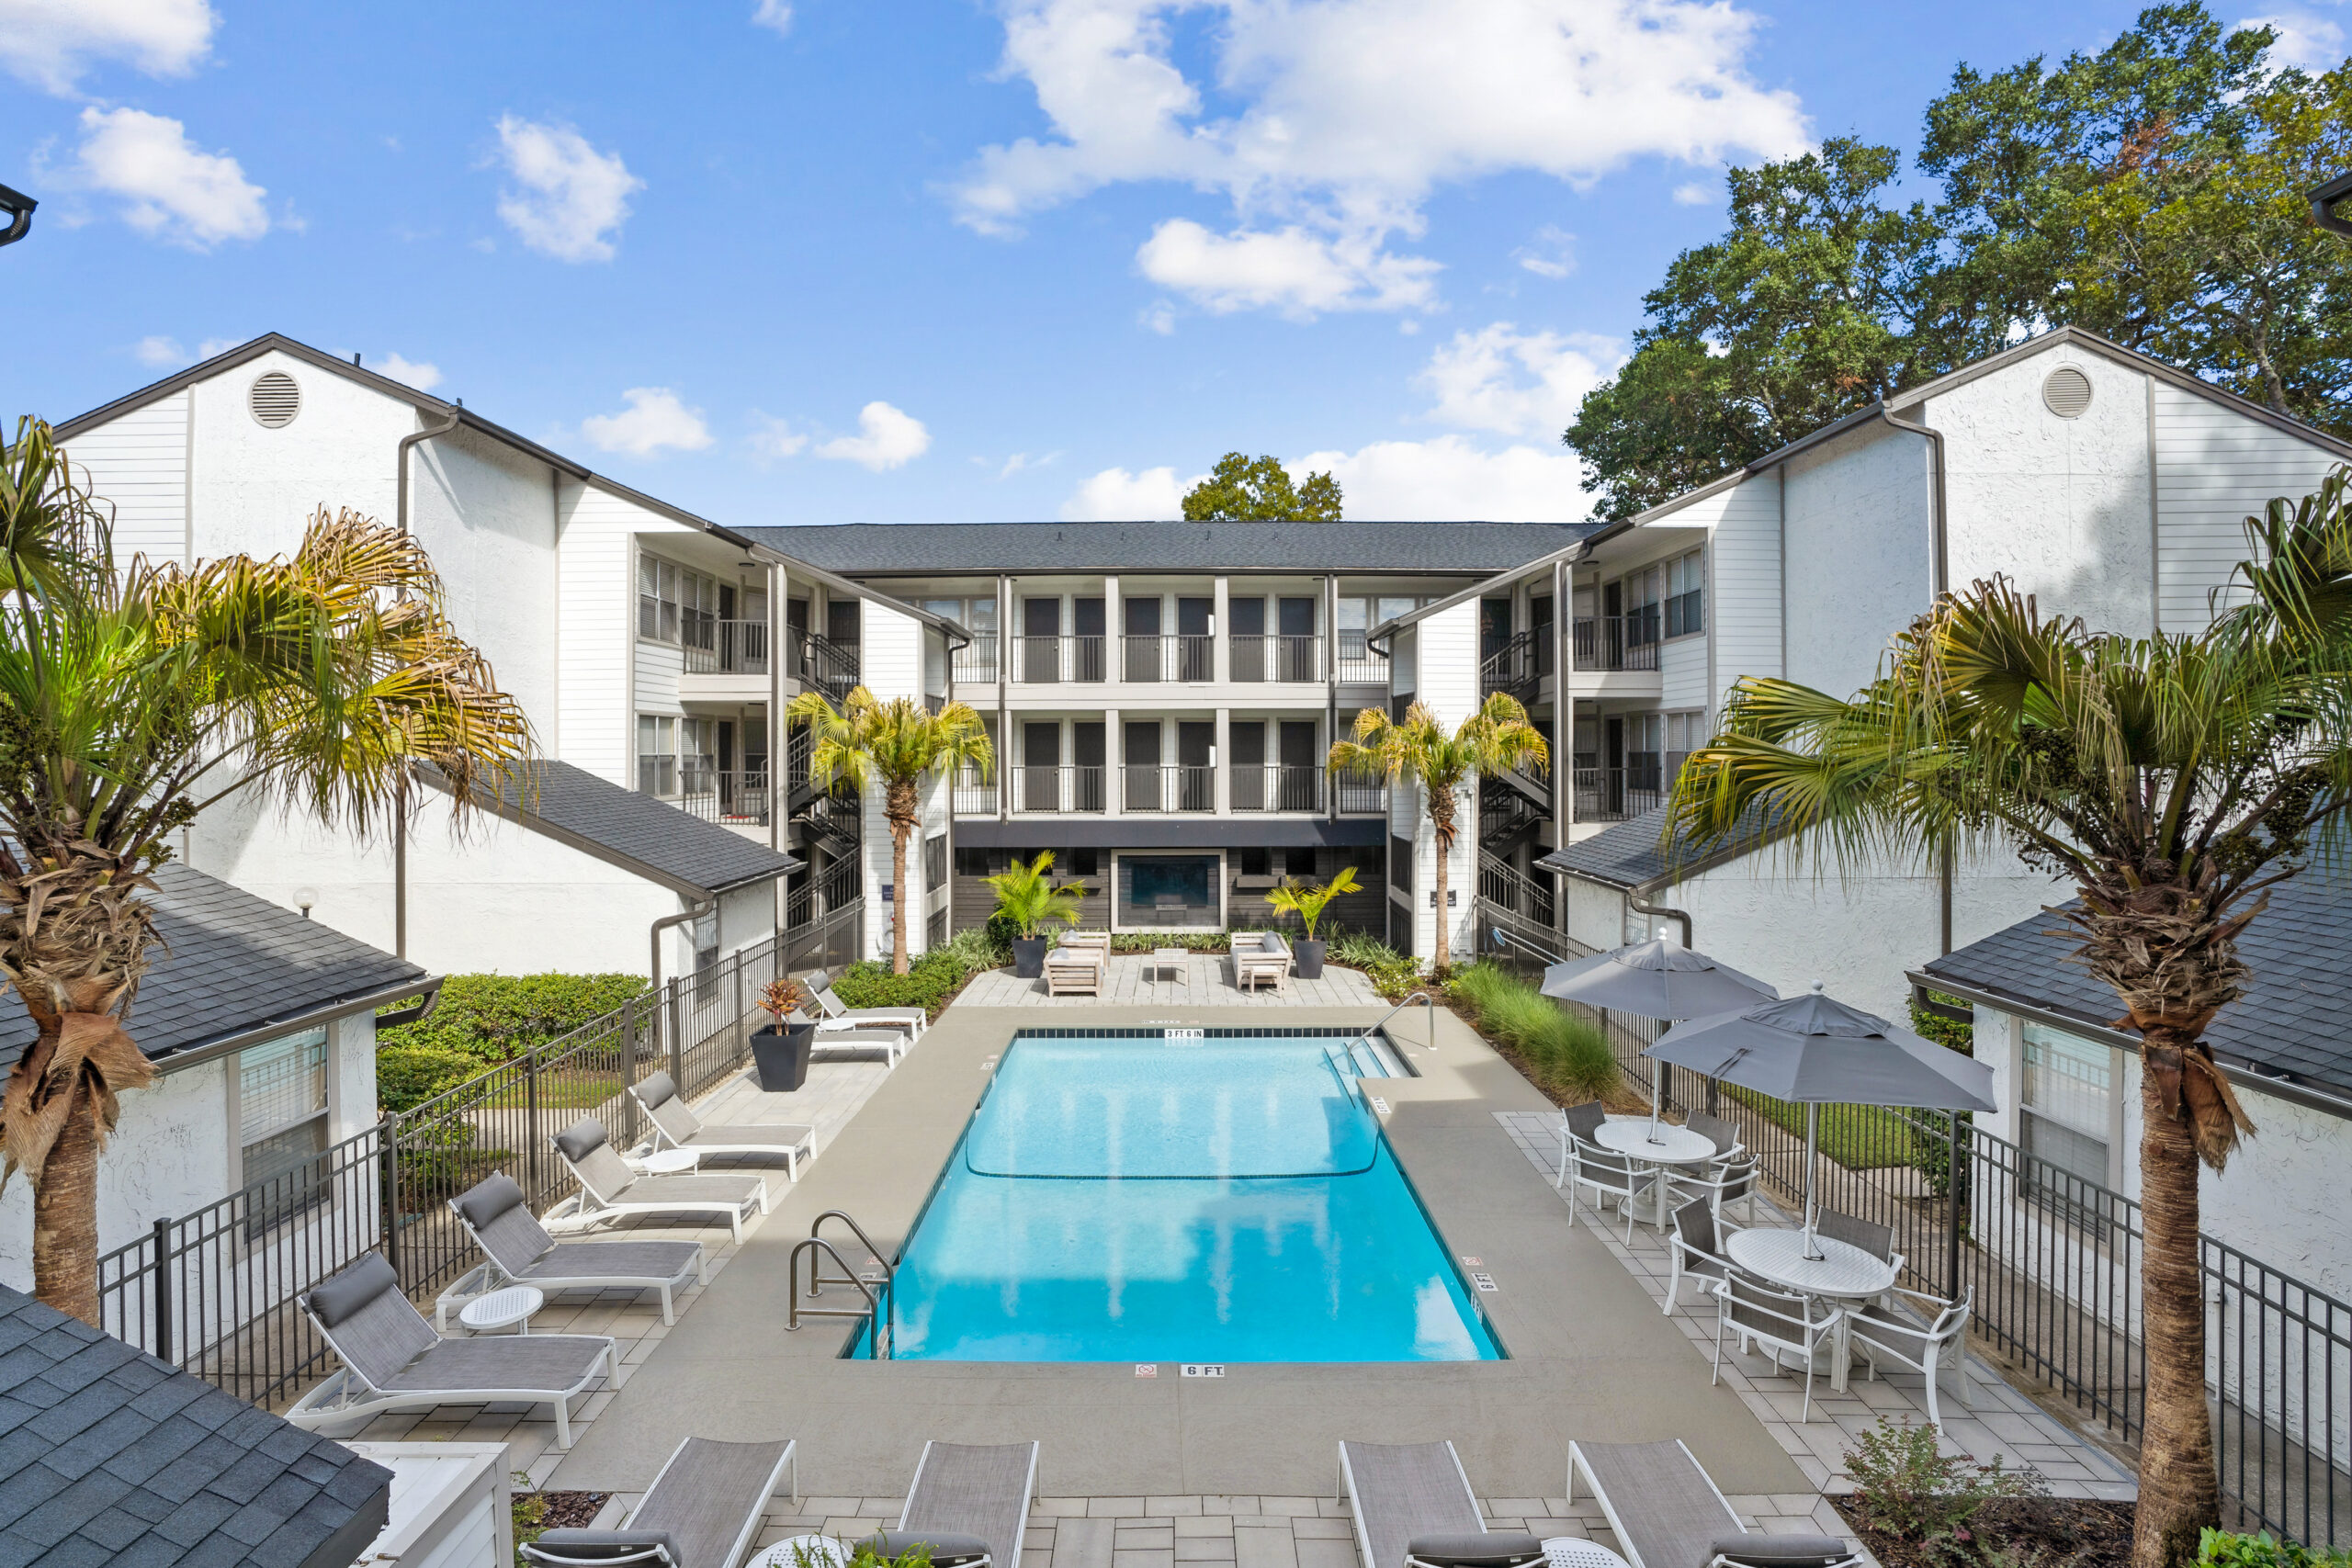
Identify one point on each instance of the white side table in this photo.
(672, 1162)
(1574, 1551)
(803, 1552)
(1167, 958)
(509, 1308)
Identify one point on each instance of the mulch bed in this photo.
(572, 1510)
(2034, 1532)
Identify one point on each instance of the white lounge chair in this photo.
(676, 1126)
(704, 1511)
(609, 1189)
(1414, 1508)
(393, 1360)
(968, 1506)
(518, 1250)
(1667, 1512)
(839, 1015)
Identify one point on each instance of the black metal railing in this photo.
(1044, 789)
(1617, 795)
(830, 667)
(1167, 788)
(972, 795)
(1361, 661)
(1255, 657)
(737, 795)
(1361, 795)
(1044, 660)
(1616, 642)
(1165, 657)
(725, 648)
(1512, 667)
(977, 660)
(1275, 788)
(1504, 886)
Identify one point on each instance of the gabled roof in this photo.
(1633, 854)
(947, 549)
(233, 965)
(638, 832)
(109, 1455)
(2287, 1027)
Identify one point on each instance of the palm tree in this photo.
(133, 699)
(1494, 740)
(2173, 779)
(1027, 896)
(901, 743)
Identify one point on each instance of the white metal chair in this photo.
(1780, 1322)
(1693, 1248)
(1722, 1183)
(1919, 1331)
(1607, 1173)
(1577, 1121)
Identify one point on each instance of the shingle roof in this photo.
(943, 547)
(233, 963)
(2290, 1021)
(110, 1456)
(650, 834)
(1630, 854)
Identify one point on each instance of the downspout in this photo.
(693, 912)
(1640, 905)
(1939, 569)
(400, 795)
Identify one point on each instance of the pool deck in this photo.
(1590, 1355)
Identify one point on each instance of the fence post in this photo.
(677, 1050)
(531, 1118)
(1954, 1177)
(164, 1290)
(388, 1178)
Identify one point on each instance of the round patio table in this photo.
(1843, 1273)
(1672, 1146)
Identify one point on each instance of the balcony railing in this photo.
(831, 667)
(1617, 795)
(1277, 788)
(976, 660)
(1041, 661)
(1050, 791)
(1510, 668)
(1164, 788)
(1295, 658)
(739, 795)
(972, 797)
(1163, 657)
(1359, 663)
(725, 648)
(1361, 797)
(1616, 642)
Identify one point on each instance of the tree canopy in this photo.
(1242, 489)
(2151, 192)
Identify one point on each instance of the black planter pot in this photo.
(1028, 957)
(1308, 956)
(782, 1055)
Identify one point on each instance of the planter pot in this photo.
(1308, 956)
(1028, 957)
(782, 1055)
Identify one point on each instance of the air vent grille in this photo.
(275, 398)
(2068, 392)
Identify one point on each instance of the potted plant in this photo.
(1307, 901)
(1026, 895)
(780, 1046)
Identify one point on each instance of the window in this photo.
(675, 604)
(705, 929)
(1299, 861)
(1080, 862)
(1642, 593)
(1400, 864)
(281, 1105)
(675, 755)
(2068, 1100)
(935, 860)
(1645, 738)
(1255, 862)
(1685, 733)
(1686, 596)
(973, 615)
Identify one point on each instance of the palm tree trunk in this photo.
(66, 1216)
(2179, 1486)
(1442, 829)
(897, 900)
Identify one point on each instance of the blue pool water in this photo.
(1140, 1198)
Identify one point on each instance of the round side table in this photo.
(672, 1162)
(509, 1308)
(1574, 1551)
(802, 1552)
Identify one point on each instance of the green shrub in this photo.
(927, 984)
(1565, 1052)
(2221, 1549)
(408, 1076)
(495, 1016)
(1393, 975)
(977, 948)
(1905, 1488)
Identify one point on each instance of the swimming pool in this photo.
(1135, 1196)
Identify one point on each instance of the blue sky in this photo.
(877, 260)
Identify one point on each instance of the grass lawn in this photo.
(1859, 1137)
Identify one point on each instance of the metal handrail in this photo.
(795, 1311)
(1420, 996)
(890, 1275)
(1348, 1085)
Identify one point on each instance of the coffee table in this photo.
(508, 1308)
(1165, 958)
(802, 1552)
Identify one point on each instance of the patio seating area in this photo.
(1199, 979)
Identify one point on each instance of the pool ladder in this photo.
(817, 1249)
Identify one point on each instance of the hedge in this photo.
(493, 1017)
(927, 984)
(408, 1076)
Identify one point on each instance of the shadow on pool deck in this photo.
(1590, 1355)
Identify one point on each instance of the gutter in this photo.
(210, 1050)
(1643, 906)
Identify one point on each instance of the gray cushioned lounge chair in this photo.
(1414, 1508)
(968, 1506)
(1666, 1512)
(393, 1360)
(676, 1126)
(518, 1250)
(704, 1511)
(841, 1015)
(609, 1189)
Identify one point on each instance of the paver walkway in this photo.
(1207, 982)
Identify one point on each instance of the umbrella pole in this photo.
(1811, 1140)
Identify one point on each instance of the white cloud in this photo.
(773, 14)
(1114, 495)
(2305, 38)
(170, 190)
(1696, 193)
(409, 373)
(159, 351)
(773, 437)
(1450, 480)
(213, 345)
(1513, 383)
(1021, 463)
(568, 200)
(1553, 255)
(1159, 316)
(1348, 114)
(50, 43)
(654, 421)
(890, 439)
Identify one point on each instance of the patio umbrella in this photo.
(1814, 1051)
(1655, 980)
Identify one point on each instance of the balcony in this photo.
(976, 660)
(1617, 642)
(1277, 788)
(1617, 795)
(1147, 790)
(1046, 661)
(1152, 657)
(1359, 663)
(724, 648)
(1046, 791)
(736, 797)
(1255, 659)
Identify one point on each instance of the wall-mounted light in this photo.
(304, 899)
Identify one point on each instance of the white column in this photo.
(1220, 647)
(1219, 750)
(1115, 765)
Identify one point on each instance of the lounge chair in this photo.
(1414, 1508)
(704, 1511)
(892, 1042)
(968, 1506)
(676, 1124)
(393, 1360)
(1666, 1512)
(1073, 970)
(609, 1189)
(1577, 1123)
(519, 1251)
(839, 1015)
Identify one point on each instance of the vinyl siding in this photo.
(1743, 584)
(2214, 467)
(597, 632)
(137, 466)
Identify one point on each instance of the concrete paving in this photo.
(1203, 979)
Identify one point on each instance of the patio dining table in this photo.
(1844, 1274)
(1659, 1144)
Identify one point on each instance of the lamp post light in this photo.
(17, 208)
(2324, 201)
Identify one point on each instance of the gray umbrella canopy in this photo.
(1655, 980)
(1812, 1050)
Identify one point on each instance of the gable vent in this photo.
(275, 399)
(2068, 392)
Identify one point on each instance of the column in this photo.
(1115, 765)
(1220, 751)
(1004, 630)
(1114, 649)
(1220, 650)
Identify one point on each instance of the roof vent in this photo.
(275, 399)
(2066, 391)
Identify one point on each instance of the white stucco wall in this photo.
(1858, 567)
(890, 664)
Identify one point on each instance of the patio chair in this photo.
(1876, 1239)
(1607, 1173)
(1725, 1134)
(968, 1506)
(675, 1123)
(609, 1189)
(393, 1360)
(1919, 1331)
(1414, 1508)
(1267, 962)
(1666, 1512)
(704, 1511)
(1695, 1250)
(518, 1250)
(839, 1015)
(893, 1043)
(1579, 1122)
(1721, 1184)
(1781, 1322)
(1075, 970)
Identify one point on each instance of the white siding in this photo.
(2214, 468)
(1446, 646)
(891, 665)
(1744, 583)
(137, 465)
(596, 634)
